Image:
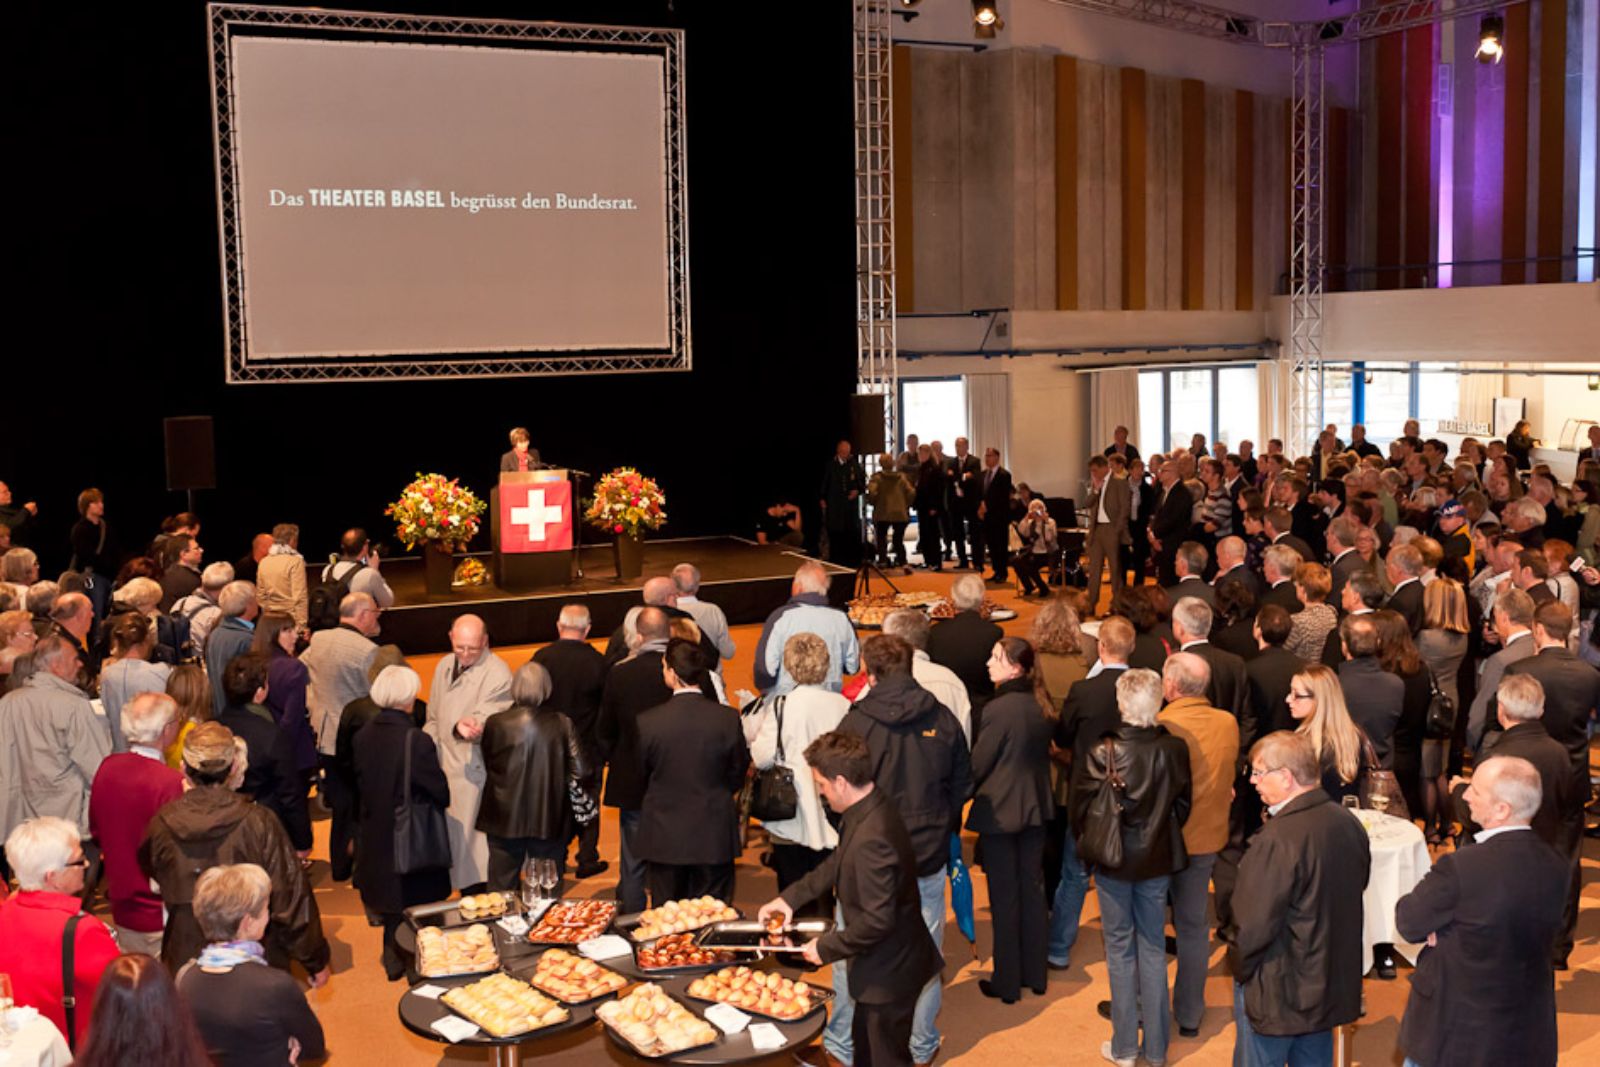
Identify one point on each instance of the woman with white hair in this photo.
(46, 856)
(386, 751)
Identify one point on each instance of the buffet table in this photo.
(1399, 861)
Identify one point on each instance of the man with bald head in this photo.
(72, 617)
(1212, 738)
(469, 685)
(337, 662)
(660, 593)
(632, 687)
(807, 611)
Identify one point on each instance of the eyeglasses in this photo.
(1257, 773)
(82, 863)
(1298, 695)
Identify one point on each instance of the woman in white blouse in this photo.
(806, 712)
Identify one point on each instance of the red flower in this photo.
(617, 528)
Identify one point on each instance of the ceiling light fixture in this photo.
(1491, 39)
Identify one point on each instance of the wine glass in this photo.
(549, 878)
(5, 1010)
(530, 886)
(1380, 803)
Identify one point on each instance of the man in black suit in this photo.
(1296, 951)
(1278, 525)
(1088, 714)
(1278, 563)
(963, 643)
(1519, 702)
(632, 687)
(1362, 596)
(873, 874)
(842, 485)
(1531, 574)
(1119, 445)
(1190, 564)
(1484, 992)
(1404, 564)
(994, 512)
(966, 476)
(1303, 514)
(1341, 540)
(1231, 568)
(577, 681)
(1571, 697)
(657, 593)
(1227, 688)
(1270, 672)
(693, 758)
(1375, 699)
(1170, 523)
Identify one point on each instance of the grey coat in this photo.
(51, 745)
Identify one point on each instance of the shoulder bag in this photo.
(1101, 840)
(773, 796)
(69, 984)
(1377, 782)
(421, 838)
(1441, 711)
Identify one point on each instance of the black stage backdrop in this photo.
(118, 305)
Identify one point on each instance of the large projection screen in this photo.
(405, 197)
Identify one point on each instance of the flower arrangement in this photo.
(627, 503)
(470, 571)
(437, 510)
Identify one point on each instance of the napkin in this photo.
(727, 1018)
(431, 992)
(605, 947)
(515, 925)
(764, 1037)
(453, 1028)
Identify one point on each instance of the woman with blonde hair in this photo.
(1057, 640)
(1317, 703)
(189, 686)
(1442, 644)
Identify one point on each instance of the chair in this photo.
(1066, 568)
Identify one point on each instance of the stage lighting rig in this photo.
(1491, 39)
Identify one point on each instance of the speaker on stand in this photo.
(191, 454)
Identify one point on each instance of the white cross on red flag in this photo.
(536, 516)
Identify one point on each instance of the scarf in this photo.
(283, 550)
(226, 955)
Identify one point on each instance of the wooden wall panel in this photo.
(1244, 147)
(1134, 220)
(1552, 137)
(1066, 182)
(1514, 191)
(1194, 193)
(1419, 180)
(1390, 164)
(905, 233)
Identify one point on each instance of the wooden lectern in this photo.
(531, 525)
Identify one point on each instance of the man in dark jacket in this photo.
(873, 873)
(963, 643)
(966, 475)
(693, 757)
(1519, 701)
(842, 485)
(632, 687)
(1571, 697)
(1375, 699)
(994, 512)
(577, 681)
(1362, 595)
(1170, 523)
(271, 778)
(921, 763)
(1484, 990)
(1227, 688)
(1404, 565)
(211, 825)
(1296, 946)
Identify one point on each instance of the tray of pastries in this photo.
(572, 979)
(869, 611)
(761, 993)
(679, 916)
(468, 909)
(469, 950)
(753, 936)
(677, 952)
(653, 1025)
(505, 1006)
(484, 905)
(990, 609)
(567, 922)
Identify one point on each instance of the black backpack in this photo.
(322, 607)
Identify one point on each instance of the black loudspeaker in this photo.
(866, 425)
(191, 456)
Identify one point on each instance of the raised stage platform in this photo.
(744, 579)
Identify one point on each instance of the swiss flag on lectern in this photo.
(536, 516)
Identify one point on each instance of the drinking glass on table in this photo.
(5, 1010)
(549, 878)
(530, 886)
(1353, 803)
(1380, 803)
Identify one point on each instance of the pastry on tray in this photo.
(505, 1006)
(678, 950)
(469, 950)
(572, 979)
(765, 993)
(676, 916)
(482, 905)
(655, 1024)
(567, 922)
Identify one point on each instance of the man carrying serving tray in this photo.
(873, 874)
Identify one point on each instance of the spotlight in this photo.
(909, 3)
(1491, 39)
(986, 18)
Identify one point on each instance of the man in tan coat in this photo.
(1212, 737)
(469, 685)
(1106, 516)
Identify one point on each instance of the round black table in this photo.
(418, 1014)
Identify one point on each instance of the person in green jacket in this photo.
(889, 492)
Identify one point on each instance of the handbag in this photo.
(1100, 842)
(1441, 712)
(421, 838)
(773, 796)
(1377, 782)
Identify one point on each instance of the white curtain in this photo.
(1113, 402)
(1477, 395)
(989, 414)
(1272, 378)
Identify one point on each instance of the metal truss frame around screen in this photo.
(226, 21)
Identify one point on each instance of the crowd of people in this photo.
(1340, 630)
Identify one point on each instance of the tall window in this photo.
(1152, 412)
(1222, 403)
(1438, 394)
(1386, 396)
(1191, 406)
(935, 409)
(1238, 408)
(1337, 400)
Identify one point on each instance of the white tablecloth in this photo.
(1399, 861)
(35, 1043)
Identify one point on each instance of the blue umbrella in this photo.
(961, 894)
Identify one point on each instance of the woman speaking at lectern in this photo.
(521, 457)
